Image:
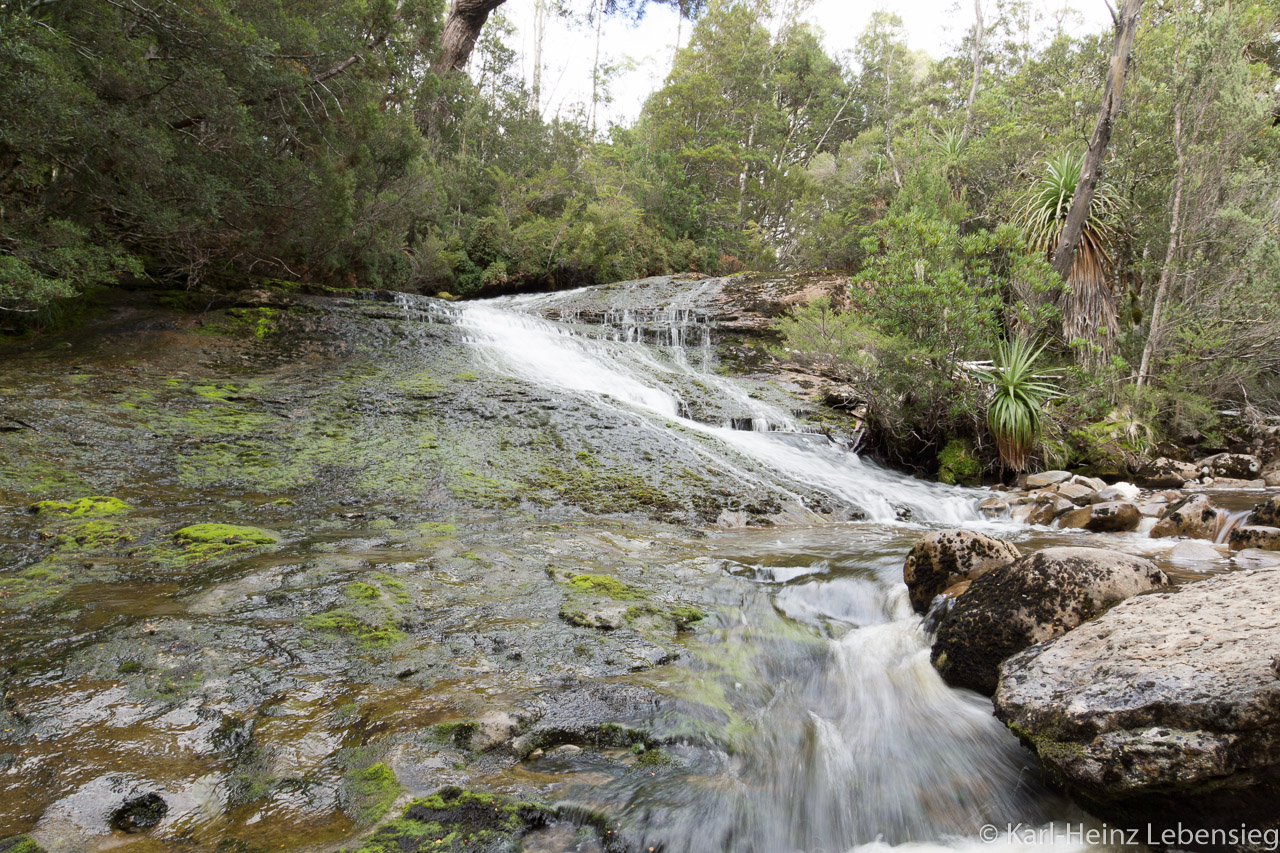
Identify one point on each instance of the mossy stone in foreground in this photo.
(97, 505)
(459, 821)
(226, 534)
(20, 844)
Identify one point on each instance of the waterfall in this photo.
(640, 361)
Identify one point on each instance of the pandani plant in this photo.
(1015, 411)
(1088, 306)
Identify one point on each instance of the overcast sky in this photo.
(934, 26)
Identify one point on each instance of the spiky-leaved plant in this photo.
(1089, 306)
(1021, 390)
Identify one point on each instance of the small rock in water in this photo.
(1194, 551)
(1253, 558)
(1194, 517)
(1267, 513)
(1078, 494)
(141, 812)
(1114, 517)
(1249, 536)
(1047, 478)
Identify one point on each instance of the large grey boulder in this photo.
(1039, 597)
(1194, 517)
(1163, 711)
(948, 557)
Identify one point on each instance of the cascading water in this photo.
(864, 748)
(617, 370)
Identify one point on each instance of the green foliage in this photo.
(958, 464)
(1014, 411)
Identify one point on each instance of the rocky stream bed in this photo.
(545, 573)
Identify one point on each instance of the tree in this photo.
(1089, 305)
(1126, 25)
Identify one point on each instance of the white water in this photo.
(619, 372)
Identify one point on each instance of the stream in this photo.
(445, 486)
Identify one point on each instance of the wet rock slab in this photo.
(1164, 710)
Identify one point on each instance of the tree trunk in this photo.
(540, 12)
(1170, 255)
(595, 68)
(1126, 25)
(461, 29)
(977, 71)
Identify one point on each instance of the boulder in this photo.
(1225, 483)
(944, 559)
(1236, 466)
(1271, 479)
(1118, 492)
(1193, 516)
(1093, 484)
(1046, 512)
(1165, 711)
(1255, 536)
(994, 507)
(1164, 473)
(1041, 596)
(1078, 494)
(1047, 478)
(1111, 517)
(1152, 509)
(1267, 513)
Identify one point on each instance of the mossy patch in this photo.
(20, 844)
(367, 792)
(97, 505)
(958, 464)
(603, 491)
(363, 631)
(360, 591)
(459, 821)
(604, 585)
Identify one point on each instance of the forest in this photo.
(395, 144)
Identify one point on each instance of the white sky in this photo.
(934, 26)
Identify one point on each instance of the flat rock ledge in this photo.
(1163, 712)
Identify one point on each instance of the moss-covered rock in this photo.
(97, 505)
(605, 585)
(459, 821)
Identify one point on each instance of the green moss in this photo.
(603, 491)
(98, 535)
(370, 792)
(98, 505)
(225, 534)
(958, 464)
(604, 585)
(361, 591)
(651, 758)
(683, 617)
(20, 844)
(345, 623)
